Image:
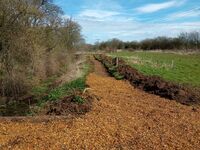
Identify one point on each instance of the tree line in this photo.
(35, 42)
(188, 41)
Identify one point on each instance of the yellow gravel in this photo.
(124, 118)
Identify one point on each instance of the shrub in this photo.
(78, 99)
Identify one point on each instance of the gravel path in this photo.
(124, 118)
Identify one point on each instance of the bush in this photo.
(78, 99)
(30, 50)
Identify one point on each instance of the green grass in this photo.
(43, 87)
(44, 93)
(66, 89)
(184, 69)
(78, 99)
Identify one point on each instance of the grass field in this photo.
(184, 69)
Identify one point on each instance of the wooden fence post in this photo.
(117, 61)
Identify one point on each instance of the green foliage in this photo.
(54, 95)
(66, 89)
(15, 109)
(78, 99)
(118, 76)
(43, 87)
(76, 84)
(184, 69)
(113, 71)
(39, 90)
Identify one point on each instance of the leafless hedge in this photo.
(35, 41)
(184, 42)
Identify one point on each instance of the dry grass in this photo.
(74, 71)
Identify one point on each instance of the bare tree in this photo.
(32, 31)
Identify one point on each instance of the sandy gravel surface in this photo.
(124, 118)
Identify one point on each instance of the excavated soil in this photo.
(152, 84)
(70, 106)
(123, 118)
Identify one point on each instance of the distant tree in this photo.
(185, 41)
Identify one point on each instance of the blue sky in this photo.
(132, 19)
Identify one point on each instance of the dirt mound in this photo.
(76, 104)
(151, 84)
(158, 86)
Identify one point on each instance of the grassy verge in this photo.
(184, 69)
(111, 69)
(43, 87)
(60, 92)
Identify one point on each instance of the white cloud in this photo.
(99, 14)
(104, 22)
(149, 8)
(102, 15)
(131, 30)
(111, 5)
(187, 14)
